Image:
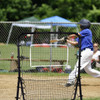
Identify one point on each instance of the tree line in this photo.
(74, 10)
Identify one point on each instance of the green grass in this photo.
(40, 53)
(37, 53)
(5, 52)
(52, 74)
(44, 54)
(92, 98)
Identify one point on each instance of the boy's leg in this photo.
(92, 72)
(86, 57)
(72, 76)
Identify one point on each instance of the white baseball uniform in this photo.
(86, 56)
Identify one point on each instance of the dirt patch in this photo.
(90, 87)
(2, 44)
(8, 86)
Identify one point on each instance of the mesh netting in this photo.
(45, 68)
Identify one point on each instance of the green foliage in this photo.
(70, 9)
(44, 11)
(3, 14)
(13, 10)
(94, 15)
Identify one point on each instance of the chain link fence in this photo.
(9, 31)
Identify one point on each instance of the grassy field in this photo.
(36, 53)
(92, 99)
(5, 52)
(51, 74)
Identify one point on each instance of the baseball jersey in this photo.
(86, 39)
(96, 55)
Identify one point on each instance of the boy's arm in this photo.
(73, 35)
(72, 42)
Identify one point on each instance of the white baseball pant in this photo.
(86, 56)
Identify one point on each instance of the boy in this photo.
(86, 52)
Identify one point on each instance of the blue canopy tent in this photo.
(56, 20)
(59, 21)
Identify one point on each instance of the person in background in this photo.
(96, 55)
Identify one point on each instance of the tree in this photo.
(94, 15)
(45, 11)
(69, 9)
(13, 10)
(74, 10)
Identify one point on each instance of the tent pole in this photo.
(32, 35)
(51, 47)
(9, 34)
(56, 35)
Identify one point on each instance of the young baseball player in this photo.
(86, 52)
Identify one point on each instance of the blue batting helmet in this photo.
(84, 23)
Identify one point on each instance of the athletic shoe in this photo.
(68, 84)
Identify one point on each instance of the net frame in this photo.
(20, 80)
(50, 46)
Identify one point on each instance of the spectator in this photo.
(96, 55)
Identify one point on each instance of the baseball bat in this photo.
(57, 40)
